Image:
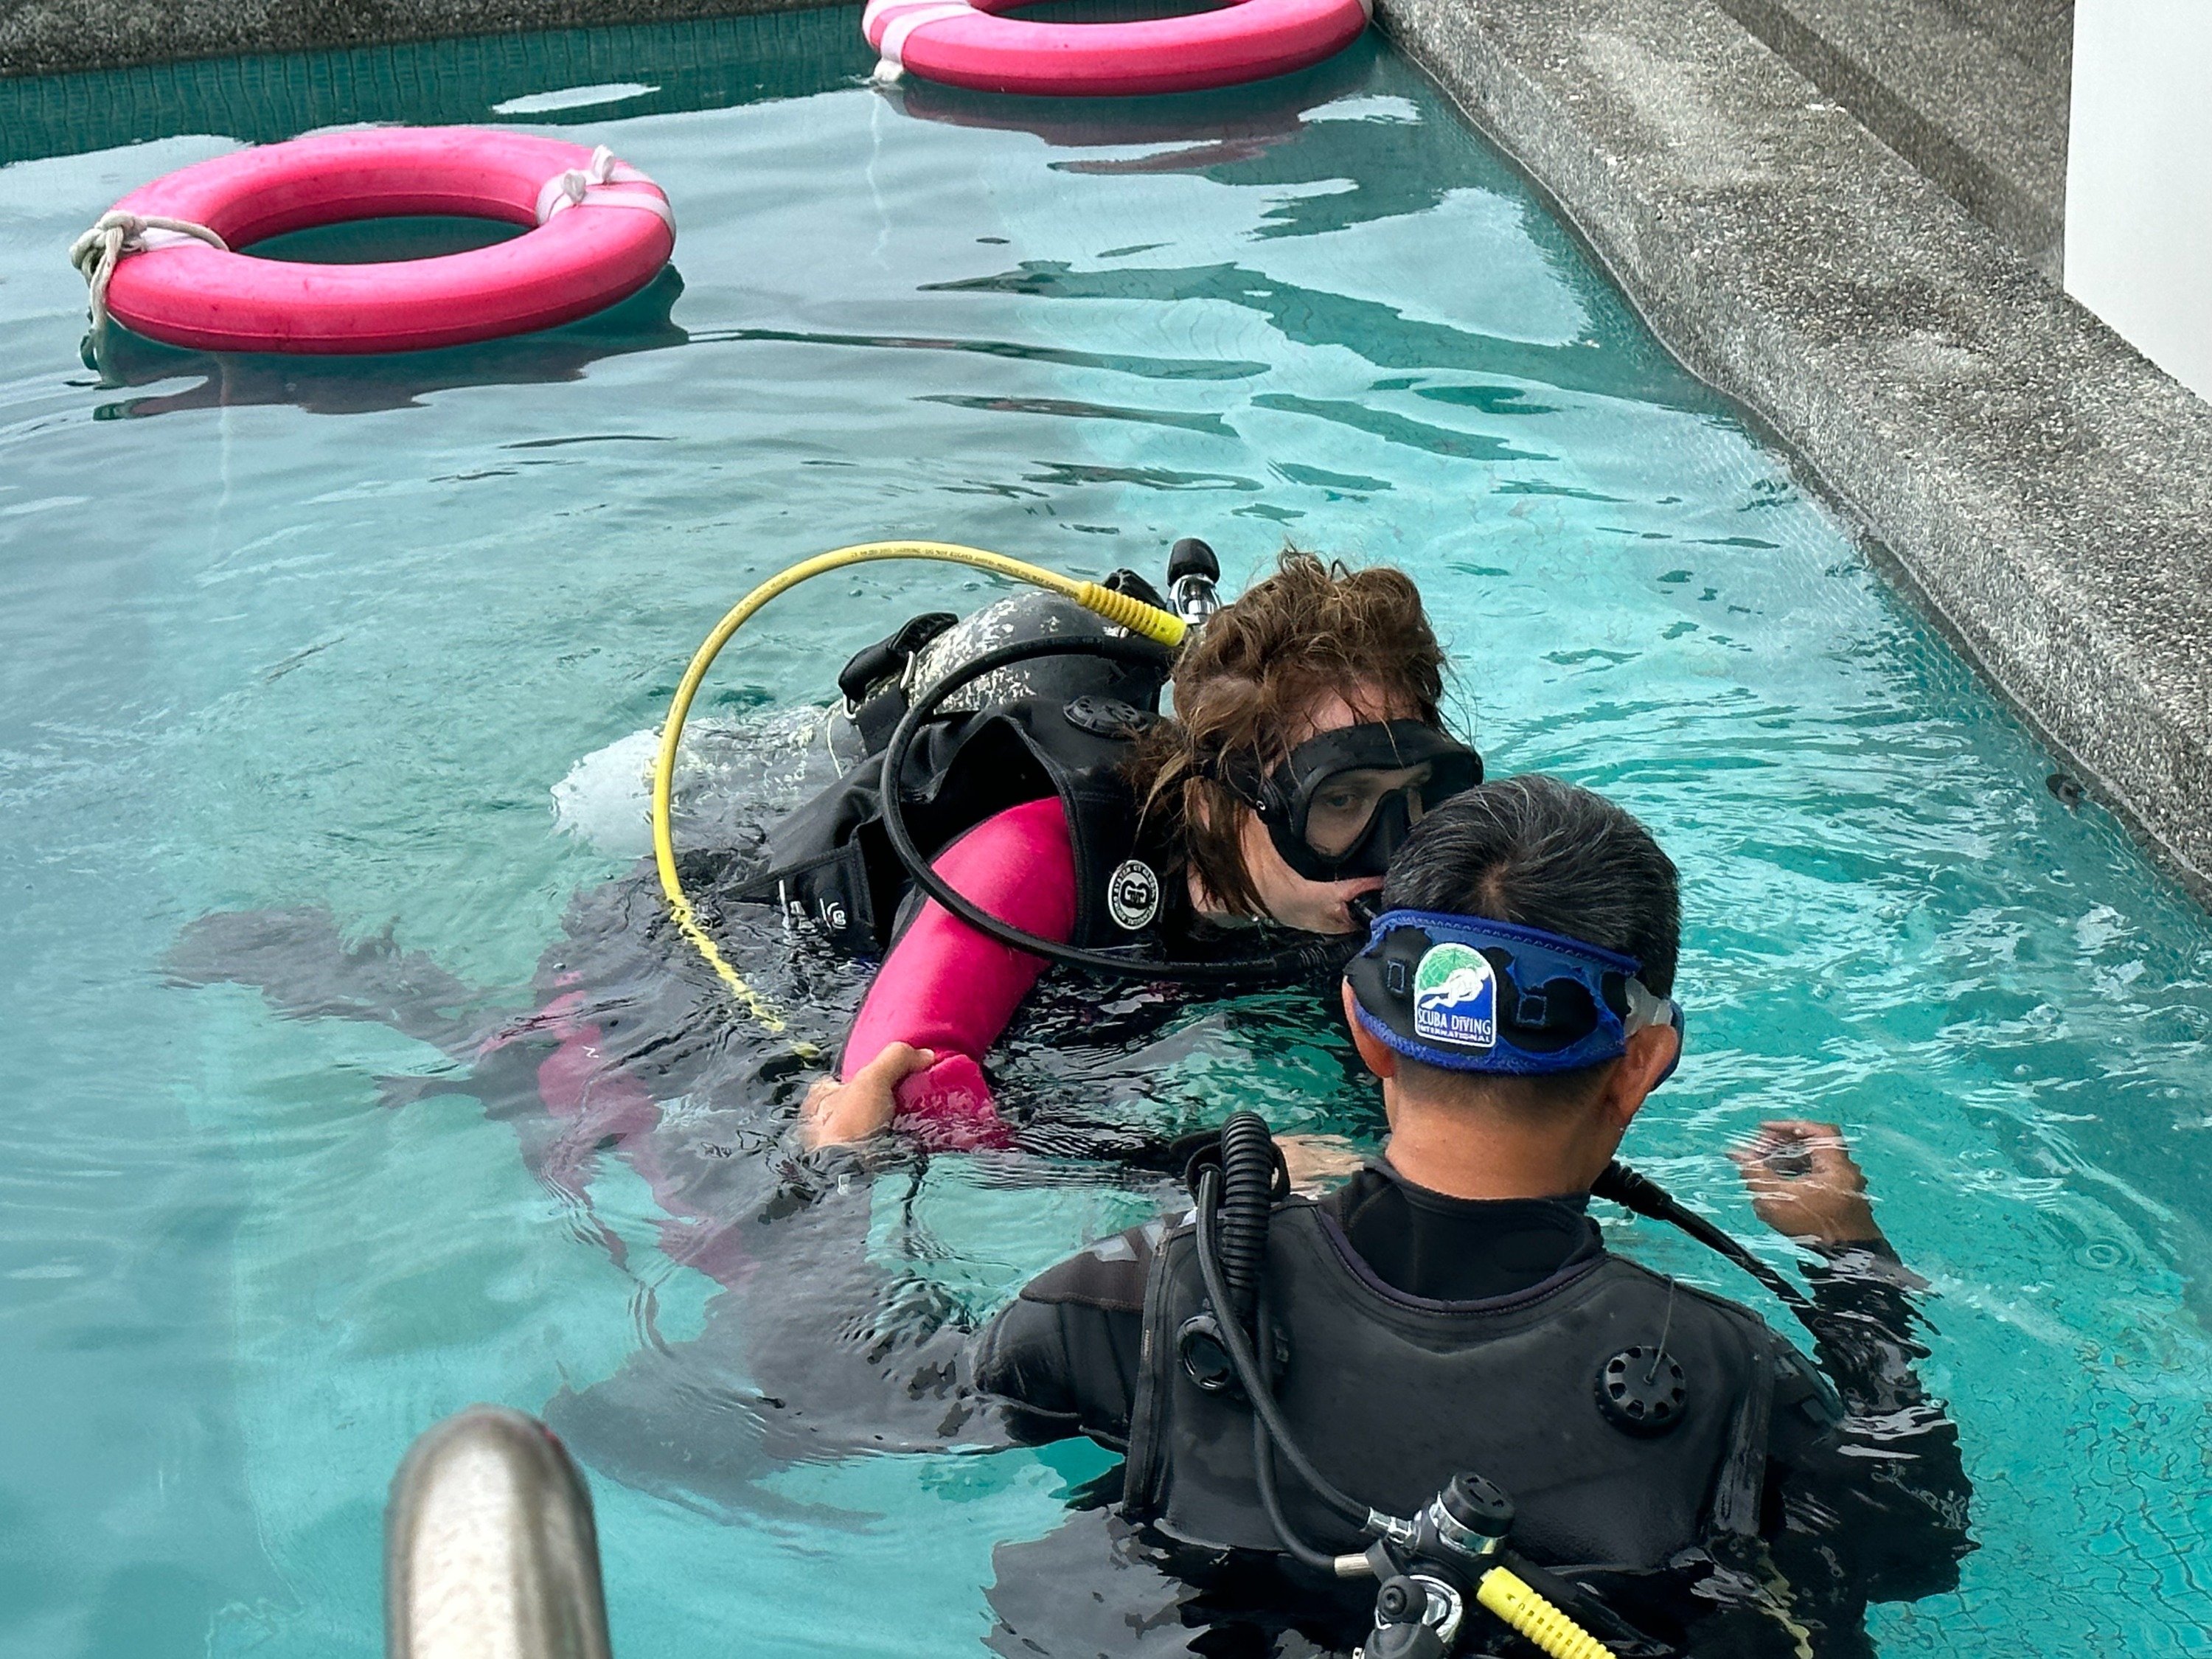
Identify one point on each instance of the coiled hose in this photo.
(1248, 1166)
(1238, 1346)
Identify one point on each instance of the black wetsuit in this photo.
(1065, 1355)
(1871, 1510)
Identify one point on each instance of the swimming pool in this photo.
(290, 634)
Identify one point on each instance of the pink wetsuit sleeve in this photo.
(946, 986)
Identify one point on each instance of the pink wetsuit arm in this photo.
(948, 987)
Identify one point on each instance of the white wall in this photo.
(2139, 177)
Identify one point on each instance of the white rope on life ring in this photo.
(906, 16)
(600, 182)
(114, 235)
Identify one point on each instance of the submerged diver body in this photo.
(1451, 1310)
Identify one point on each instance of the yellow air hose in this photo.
(1119, 608)
(1511, 1597)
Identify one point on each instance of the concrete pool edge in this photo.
(2041, 489)
(62, 37)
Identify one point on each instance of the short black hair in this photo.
(1538, 853)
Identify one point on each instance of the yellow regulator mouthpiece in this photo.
(1511, 1597)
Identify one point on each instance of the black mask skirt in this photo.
(1338, 806)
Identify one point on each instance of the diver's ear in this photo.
(1379, 1057)
(1650, 1052)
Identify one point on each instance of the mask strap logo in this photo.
(1455, 998)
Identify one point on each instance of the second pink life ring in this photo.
(162, 260)
(979, 43)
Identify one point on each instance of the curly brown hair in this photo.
(1261, 665)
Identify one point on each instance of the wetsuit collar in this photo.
(1430, 1247)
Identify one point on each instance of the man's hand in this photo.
(837, 1114)
(1804, 1184)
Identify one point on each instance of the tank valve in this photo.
(1193, 578)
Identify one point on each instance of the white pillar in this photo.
(2139, 177)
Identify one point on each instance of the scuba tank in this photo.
(1060, 723)
(878, 684)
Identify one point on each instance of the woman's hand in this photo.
(1804, 1184)
(837, 1114)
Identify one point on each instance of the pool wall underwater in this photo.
(2043, 490)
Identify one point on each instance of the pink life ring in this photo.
(973, 43)
(171, 286)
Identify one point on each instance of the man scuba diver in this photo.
(1306, 739)
(1440, 1368)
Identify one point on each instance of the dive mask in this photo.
(1339, 805)
(1474, 995)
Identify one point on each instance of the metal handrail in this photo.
(489, 1547)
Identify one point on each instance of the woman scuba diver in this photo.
(1306, 739)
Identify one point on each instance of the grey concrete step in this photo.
(2044, 490)
(1973, 93)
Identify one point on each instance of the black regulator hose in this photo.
(1263, 1469)
(1296, 962)
(1639, 1192)
(1238, 1347)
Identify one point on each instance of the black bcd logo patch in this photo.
(1133, 896)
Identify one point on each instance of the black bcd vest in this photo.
(1391, 1394)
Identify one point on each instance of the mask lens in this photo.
(1449, 775)
(1342, 806)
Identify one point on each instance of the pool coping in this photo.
(63, 37)
(2038, 486)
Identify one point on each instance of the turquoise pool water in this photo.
(297, 633)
